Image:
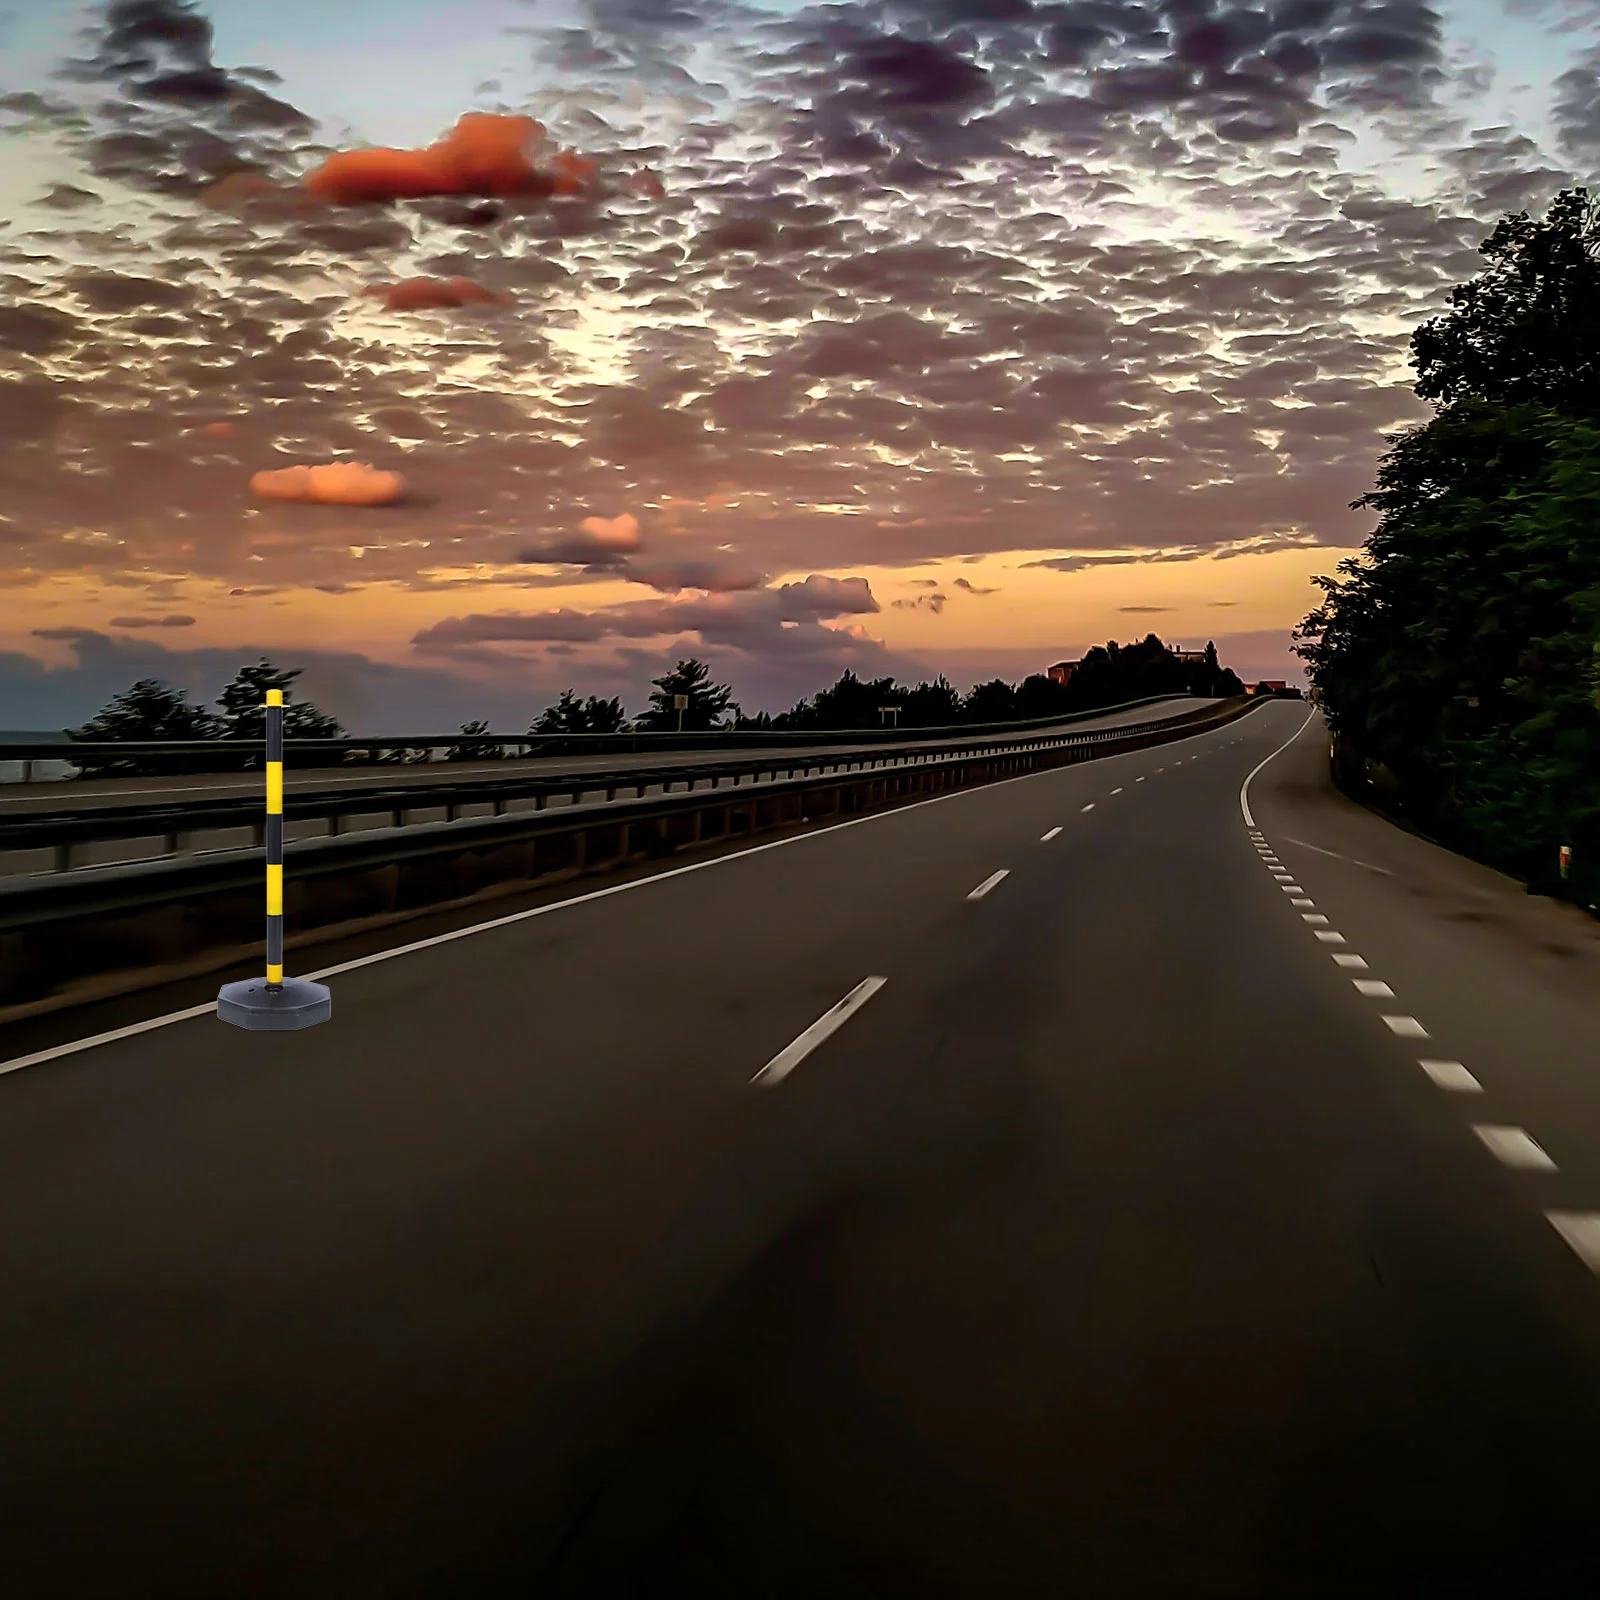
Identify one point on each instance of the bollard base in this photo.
(295, 1003)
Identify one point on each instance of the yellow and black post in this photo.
(279, 1003)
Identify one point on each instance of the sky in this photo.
(909, 336)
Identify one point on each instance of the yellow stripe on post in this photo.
(274, 697)
(274, 891)
(274, 788)
(274, 974)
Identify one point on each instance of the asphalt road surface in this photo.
(1122, 1240)
(75, 794)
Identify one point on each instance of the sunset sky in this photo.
(957, 336)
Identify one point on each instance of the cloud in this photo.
(174, 621)
(714, 577)
(338, 483)
(432, 294)
(1143, 610)
(484, 154)
(617, 533)
(973, 588)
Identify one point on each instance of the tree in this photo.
(931, 705)
(707, 700)
(1460, 649)
(150, 710)
(244, 700)
(570, 714)
(995, 701)
(1527, 330)
(852, 702)
(1041, 696)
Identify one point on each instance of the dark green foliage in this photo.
(1461, 649)
(151, 709)
(708, 701)
(572, 714)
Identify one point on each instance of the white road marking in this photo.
(1116, 791)
(1451, 1075)
(1407, 1027)
(1514, 1146)
(1045, 838)
(1244, 788)
(1302, 899)
(1373, 986)
(1312, 916)
(1581, 1229)
(1337, 857)
(1347, 958)
(989, 883)
(1089, 807)
(1138, 780)
(1329, 937)
(787, 1059)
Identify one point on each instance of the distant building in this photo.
(1190, 658)
(1062, 671)
(1268, 686)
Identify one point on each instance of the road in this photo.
(1117, 1244)
(18, 799)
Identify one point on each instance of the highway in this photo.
(72, 794)
(1112, 1182)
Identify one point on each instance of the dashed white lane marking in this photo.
(1406, 1027)
(989, 883)
(1375, 987)
(1089, 807)
(1328, 936)
(1138, 780)
(788, 1058)
(1313, 917)
(1514, 1146)
(1347, 958)
(1301, 900)
(1581, 1229)
(1451, 1075)
(1116, 791)
(1045, 838)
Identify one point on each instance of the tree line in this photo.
(687, 698)
(1457, 657)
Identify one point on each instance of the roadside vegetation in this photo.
(1457, 658)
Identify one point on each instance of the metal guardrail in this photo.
(176, 823)
(231, 753)
(115, 929)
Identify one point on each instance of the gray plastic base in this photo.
(296, 1003)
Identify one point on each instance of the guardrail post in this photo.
(276, 1004)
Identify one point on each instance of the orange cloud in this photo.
(433, 294)
(485, 153)
(339, 483)
(620, 533)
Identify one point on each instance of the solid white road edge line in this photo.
(1244, 788)
(788, 1058)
